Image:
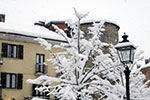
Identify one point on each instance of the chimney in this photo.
(40, 23)
(147, 61)
(2, 18)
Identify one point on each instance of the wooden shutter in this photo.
(3, 79)
(45, 69)
(4, 49)
(20, 52)
(19, 81)
(33, 90)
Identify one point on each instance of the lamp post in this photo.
(126, 51)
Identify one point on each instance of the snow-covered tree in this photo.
(85, 71)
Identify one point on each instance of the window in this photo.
(37, 93)
(12, 51)
(40, 66)
(102, 37)
(11, 80)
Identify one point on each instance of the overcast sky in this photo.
(133, 16)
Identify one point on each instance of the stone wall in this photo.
(146, 72)
(111, 31)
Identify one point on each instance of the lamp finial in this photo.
(125, 38)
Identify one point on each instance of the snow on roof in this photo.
(30, 30)
(98, 20)
(124, 44)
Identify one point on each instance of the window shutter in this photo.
(20, 81)
(4, 49)
(3, 80)
(20, 52)
(45, 69)
(33, 90)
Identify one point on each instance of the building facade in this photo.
(23, 58)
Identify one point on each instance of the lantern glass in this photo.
(132, 54)
(126, 54)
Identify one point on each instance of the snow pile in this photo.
(98, 20)
(36, 98)
(124, 44)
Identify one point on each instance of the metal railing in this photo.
(41, 68)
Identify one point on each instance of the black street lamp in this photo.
(126, 51)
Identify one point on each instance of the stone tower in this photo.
(110, 35)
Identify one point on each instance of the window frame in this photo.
(12, 51)
(102, 37)
(11, 80)
(40, 66)
(15, 80)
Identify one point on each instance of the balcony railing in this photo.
(41, 68)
